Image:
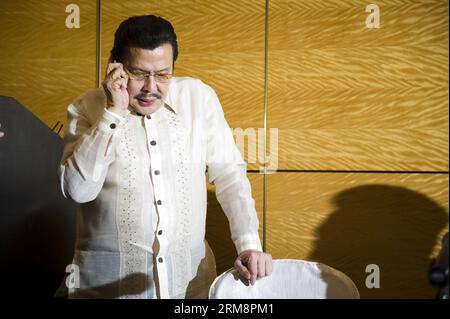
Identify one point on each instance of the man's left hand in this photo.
(253, 264)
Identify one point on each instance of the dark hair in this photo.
(145, 32)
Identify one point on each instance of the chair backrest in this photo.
(290, 279)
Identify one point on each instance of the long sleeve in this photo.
(227, 171)
(88, 151)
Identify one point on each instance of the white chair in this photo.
(290, 279)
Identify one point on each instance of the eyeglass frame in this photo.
(147, 75)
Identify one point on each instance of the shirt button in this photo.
(160, 232)
(159, 202)
(156, 172)
(160, 259)
(112, 125)
(149, 117)
(153, 143)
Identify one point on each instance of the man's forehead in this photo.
(150, 60)
(162, 51)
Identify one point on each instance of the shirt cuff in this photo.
(248, 242)
(110, 121)
(117, 116)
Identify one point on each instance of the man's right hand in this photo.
(115, 86)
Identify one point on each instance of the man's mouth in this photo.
(146, 102)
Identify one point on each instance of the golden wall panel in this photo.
(346, 97)
(217, 226)
(363, 149)
(44, 64)
(351, 220)
(214, 46)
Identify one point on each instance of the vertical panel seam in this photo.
(98, 42)
(266, 55)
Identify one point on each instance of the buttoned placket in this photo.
(153, 141)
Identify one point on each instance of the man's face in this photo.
(147, 94)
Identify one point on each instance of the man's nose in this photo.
(150, 84)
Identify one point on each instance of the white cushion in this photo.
(290, 279)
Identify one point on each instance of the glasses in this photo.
(142, 76)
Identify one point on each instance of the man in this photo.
(135, 158)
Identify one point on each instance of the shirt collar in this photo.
(169, 101)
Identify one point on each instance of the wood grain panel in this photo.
(363, 149)
(43, 64)
(217, 226)
(214, 47)
(345, 97)
(351, 220)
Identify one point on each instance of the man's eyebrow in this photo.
(145, 71)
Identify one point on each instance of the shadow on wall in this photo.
(37, 226)
(392, 227)
(218, 235)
